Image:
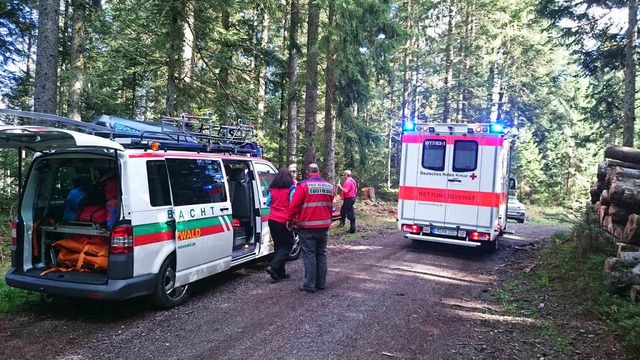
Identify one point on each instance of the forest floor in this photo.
(386, 297)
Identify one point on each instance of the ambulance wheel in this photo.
(166, 295)
(294, 254)
(490, 247)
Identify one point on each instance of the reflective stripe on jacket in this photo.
(311, 206)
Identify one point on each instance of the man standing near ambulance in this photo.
(348, 193)
(311, 210)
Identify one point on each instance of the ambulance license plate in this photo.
(441, 231)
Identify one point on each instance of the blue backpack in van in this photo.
(76, 199)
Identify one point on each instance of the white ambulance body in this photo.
(453, 183)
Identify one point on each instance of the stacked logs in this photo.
(616, 193)
(616, 198)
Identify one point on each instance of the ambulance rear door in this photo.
(463, 182)
(425, 181)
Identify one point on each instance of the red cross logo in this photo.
(473, 176)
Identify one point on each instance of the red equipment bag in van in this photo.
(93, 213)
(112, 205)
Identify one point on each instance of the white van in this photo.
(454, 180)
(120, 214)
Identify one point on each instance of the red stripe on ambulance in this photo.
(481, 140)
(458, 197)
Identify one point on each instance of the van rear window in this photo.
(159, 194)
(196, 181)
(465, 155)
(433, 152)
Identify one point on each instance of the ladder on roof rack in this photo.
(206, 129)
(18, 117)
(208, 135)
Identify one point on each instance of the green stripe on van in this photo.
(200, 223)
(146, 229)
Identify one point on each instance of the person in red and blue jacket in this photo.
(310, 209)
(348, 193)
(280, 193)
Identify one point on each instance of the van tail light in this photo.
(122, 240)
(414, 229)
(14, 231)
(479, 236)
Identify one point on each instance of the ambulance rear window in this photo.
(465, 155)
(433, 153)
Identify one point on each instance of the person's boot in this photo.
(341, 223)
(352, 228)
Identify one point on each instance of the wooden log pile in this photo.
(616, 193)
(616, 198)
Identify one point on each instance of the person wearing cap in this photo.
(293, 169)
(311, 210)
(348, 193)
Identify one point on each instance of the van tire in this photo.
(165, 295)
(490, 247)
(294, 254)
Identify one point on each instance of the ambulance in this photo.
(119, 209)
(454, 180)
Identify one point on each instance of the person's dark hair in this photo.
(283, 180)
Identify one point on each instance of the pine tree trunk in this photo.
(261, 70)
(311, 95)
(46, 80)
(79, 8)
(630, 76)
(292, 94)
(448, 66)
(330, 86)
(173, 67)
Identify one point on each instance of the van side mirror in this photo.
(513, 184)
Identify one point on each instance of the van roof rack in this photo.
(184, 133)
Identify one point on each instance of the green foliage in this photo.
(577, 263)
(12, 299)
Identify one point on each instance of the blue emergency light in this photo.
(408, 126)
(496, 128)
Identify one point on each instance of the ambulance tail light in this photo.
(414, 229)
(14, 231)
(122, 240)
(479, 236)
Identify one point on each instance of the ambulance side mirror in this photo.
(512, 184)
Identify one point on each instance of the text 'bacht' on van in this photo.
(454, 180)
(123, 208)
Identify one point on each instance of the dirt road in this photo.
(385, 298)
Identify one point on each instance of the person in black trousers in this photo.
(280, 192)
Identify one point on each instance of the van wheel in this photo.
(490, 247)
(294, 254)
(47, 299)
(166, 295)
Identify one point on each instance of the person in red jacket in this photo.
(280, 192)
(348, 193)
(311, 210)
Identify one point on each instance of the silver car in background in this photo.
(516, 210)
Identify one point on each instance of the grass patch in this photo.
(13, 300)
(570, 267)
(551, 215)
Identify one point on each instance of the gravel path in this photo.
(385, 298)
